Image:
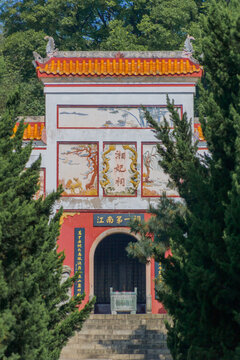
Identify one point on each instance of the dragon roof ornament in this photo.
(51, 51)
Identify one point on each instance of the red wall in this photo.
(79, 219)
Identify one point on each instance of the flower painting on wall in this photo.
(154, 180)
(78, 168)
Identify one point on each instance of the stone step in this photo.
(120, 337)
(98, 325)
(121, 344)
(122, 357)
(106, 326)
(127, 316)
(141, 330)
(119, 334)
(80, 337)
(117, 343)
(110, 352)
(117, 356)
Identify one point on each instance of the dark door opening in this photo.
(114, 268)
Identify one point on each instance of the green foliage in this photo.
(201, 281)
(158, 227)
(87, 25)
(18, 48)
(18, 73)
(165, 24)
(75, 25)
(121, 37)
(153, 25)
(36, 316)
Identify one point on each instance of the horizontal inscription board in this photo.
(115, 219)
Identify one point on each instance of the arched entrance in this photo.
(114, 268)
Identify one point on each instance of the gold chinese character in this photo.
(109, 220)
(80, 232)
(119, 219)
(138, 218)
(100, 220)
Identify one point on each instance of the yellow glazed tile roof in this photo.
(198, 132)
(118, 67)
(32, 132)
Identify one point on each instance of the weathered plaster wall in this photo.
(80, 209)
(60, 95)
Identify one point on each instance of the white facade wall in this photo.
(59, 94)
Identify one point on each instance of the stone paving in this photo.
(120, 337)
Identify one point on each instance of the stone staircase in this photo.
(119, 337)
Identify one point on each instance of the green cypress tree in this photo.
(200, 287)
(37, 318)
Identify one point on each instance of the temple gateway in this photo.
(96, 143)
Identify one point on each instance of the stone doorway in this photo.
(114, 268)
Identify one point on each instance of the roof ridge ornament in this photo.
(51, 51)
(119, 54)
(188, 47)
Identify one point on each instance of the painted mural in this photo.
(119, 175)
(154, 180)
(78, 168)
(110, 117)
(41, 182)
